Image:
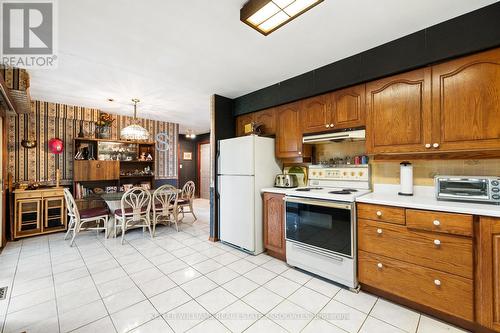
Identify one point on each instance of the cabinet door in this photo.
(289, 132)
(54, 213)
(348, 107)
(399, 113)
(28, 217)
(241, 121)
(96, 170)
(268, 120)
(466, 102)
(274, 228)
(488, 273)
(315, 114)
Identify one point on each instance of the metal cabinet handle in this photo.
(427, 145)
(379, 231)
(379, 213)
(435, 145)
(332, 125)
(98, 165)
(436, 223)
(437, 242)
(437, 282)
(379, 265)
(300, 153)
(327, 125)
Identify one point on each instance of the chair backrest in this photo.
(188, 190)
(71, 205)
(166, 196)
(138, 200)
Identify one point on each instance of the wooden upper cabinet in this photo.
(348, 107)
(488, 273)
(289, 131)
(274, 225)
(268, 120)
(86, 170)
(466, 102)
(241, 121)
(399, 113)
(315, 114)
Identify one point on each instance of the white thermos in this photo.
(406, 179)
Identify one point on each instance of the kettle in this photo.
(286, 181)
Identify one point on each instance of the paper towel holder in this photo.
(406, 179)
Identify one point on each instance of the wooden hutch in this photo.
(108, 165)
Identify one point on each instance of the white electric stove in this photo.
(321, 222)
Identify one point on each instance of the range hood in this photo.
(350, 135)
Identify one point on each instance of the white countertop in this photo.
(323, 193)
(424, 198)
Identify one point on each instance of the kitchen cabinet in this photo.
(401, 256)
(267, 118)
(38, 212)
(92, 170)
(241, 121)
(348, 107)
(340, 109)
(399, 113)
(488, 273)
(466, 103)
(274, 225)
(289, 133)
(315, 114)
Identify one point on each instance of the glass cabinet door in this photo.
(28, 217)
(55, 213)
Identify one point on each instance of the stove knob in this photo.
(353, 173)
(361, 173)
(344, 173)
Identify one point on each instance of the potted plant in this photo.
(103, 126)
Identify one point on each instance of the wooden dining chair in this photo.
(134, 212)
(186, 199)
(165, 210)
(81, 219)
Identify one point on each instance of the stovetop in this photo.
(328, 193)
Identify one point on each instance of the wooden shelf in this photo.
(137, 161)
(137, 176)
(111, 140)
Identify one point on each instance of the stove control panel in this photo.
(357, 173)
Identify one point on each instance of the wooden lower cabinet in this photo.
(444, 292)
(274, 225)
(488, 273)
(38, 212)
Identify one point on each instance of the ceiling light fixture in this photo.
(265, 16)
(134, 131)
(190, 134)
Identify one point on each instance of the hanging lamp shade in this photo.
(134, 131)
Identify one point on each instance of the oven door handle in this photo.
(323, 203)
(309, 249)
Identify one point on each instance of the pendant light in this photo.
(134, 131)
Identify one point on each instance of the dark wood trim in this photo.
(426, 310)
(5, 185)
(213, 239)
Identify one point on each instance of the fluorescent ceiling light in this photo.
(266, 16)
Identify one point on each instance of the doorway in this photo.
(204, 169)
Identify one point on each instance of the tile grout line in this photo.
(4, 324)
(54, 284)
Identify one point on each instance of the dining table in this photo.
(113, 201)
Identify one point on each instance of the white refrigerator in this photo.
(246, 165)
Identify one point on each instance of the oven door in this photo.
(322, 224)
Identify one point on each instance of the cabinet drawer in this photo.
(441, 291)
(381, 213)
(458, 224)
(28, 194)
(452, 254)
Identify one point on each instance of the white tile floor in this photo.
(179, 282)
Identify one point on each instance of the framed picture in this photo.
(187, 156)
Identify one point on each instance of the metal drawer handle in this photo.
(379, 231)
(427, 145)
(379, 213)
(436, 223)
(380, 266)
(437, 242)
(437, 282)
(435, 145)
(327, 125)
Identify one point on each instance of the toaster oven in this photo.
(467, 188)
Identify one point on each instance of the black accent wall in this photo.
(189, 170)
(472, 32)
